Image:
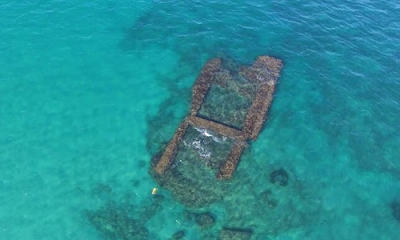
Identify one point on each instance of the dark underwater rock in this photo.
(187, 191)
(116, 225)
(396, 210)
(280, 177)
(124, 221)
(204, 220)
(178, 235)
(266, 197)
(266, 194)
(272, 203)
(235, 234)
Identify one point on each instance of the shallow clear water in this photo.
(89, 91)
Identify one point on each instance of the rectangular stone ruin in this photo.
(232, 104)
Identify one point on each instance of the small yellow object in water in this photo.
(154, 191)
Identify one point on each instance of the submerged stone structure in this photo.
(226, 104)
(249, 92)
(235, 233)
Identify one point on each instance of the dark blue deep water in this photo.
(88, 89)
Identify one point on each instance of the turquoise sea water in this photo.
(90, 90)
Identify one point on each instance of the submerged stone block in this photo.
(235, 234)
(227, 169)
(178, 235)
(202, 84)
(166, 159)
